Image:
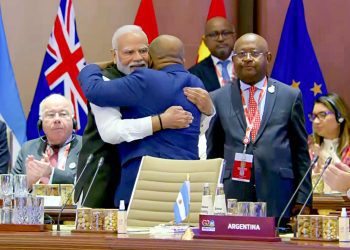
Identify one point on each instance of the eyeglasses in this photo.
(243, 54)
(216, 35)
(321, 115)
(61, 114)
(131, 52)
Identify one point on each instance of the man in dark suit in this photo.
(266, 160)
(52, 158)
(146, 92)
(4, 151)
(217, 69)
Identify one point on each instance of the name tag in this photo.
(242, 167)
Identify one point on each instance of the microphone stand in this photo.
(100, 163)
(89, 159)
(313, 162)
(326, 164)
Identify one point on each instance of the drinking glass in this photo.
(6, 184)
(20, 181)
(20, 210)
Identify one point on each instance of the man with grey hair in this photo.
(53, 157)
(129, 53)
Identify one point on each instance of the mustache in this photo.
(138, 64)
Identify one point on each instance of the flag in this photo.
(11, 108)
(146, 19)
(182, 204)
(296, 62)
(217, 8)
(62, 63)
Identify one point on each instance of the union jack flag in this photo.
(62, 63)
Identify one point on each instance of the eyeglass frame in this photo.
(254, 54)
(323, 116)
(215, 35)
(62, 114)
(126, 52)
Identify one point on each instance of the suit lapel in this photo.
(271, 93)
(237, 104)
(211, 74)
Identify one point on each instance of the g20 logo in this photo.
(208, 223)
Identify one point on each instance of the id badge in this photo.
(242, 167)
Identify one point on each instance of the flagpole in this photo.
(189, 205)
(188, 235)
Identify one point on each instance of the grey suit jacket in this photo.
(280, 150)
(37, 147)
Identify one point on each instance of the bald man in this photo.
(146, 92)
(217, 69)
(266, 160)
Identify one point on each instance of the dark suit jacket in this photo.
(4, 152)
(37, 147)
(280, 150)
(101, 194)
(142, 93)
(205, 70)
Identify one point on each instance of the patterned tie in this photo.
(224, 73)
(253, 107)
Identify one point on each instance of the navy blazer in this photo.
(205, 70)
(4, 152)
(280, 150)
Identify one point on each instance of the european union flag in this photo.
(296, 63)
(11, 107)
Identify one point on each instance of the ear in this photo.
(269, 57)
(114, 55)
(150, 62)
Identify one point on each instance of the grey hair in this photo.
(42, 104)
(123, 30)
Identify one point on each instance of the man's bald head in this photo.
(165, 50)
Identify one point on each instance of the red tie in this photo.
(253, 108)
(54, 157)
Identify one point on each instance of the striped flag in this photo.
(146, 19)
(62, 63)
(11, 107)
(217, 8)
(182, 204)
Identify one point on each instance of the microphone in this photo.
(312, 164)
(88, 161)
(99, 165)
(326, 164)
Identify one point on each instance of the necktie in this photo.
(224, 73)
(253, 108)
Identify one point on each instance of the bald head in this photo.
(165, 50)
(218, 23)
(251, 58)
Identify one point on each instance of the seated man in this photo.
(147, 92)
(4, 152)
(53, 157)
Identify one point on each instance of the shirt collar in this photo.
(216, 60)
(258, 85)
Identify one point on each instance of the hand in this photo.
(200, 98)
(297, 207)
(176, 117)
(337, 176)
(33, 171)
(104, 64)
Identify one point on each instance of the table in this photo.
(67, 240)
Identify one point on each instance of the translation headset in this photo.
(338, 116)
(40, 124)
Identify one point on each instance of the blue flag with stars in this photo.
(296, 62)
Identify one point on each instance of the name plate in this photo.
(237, 227)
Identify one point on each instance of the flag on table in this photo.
(182, 204)
(62, 63)
(11, 107)
(146, 19)
(296, 62)
(217, 8)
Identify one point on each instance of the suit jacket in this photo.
(101, 194)
(37, 147)
(280, 149)
(205, 70)
(147, 92)
(4, 152)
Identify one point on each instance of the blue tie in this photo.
(224, 72)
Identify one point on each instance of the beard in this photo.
(127, 69)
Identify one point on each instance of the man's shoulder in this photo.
(34, 143)
(283, 87)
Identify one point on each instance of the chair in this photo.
(158, 184)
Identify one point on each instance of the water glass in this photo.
(6, 184)
(20, 181)
(35, 211)
(258, 209)
(20, 210)
(232, 207)
(243, 208)
(6, 215)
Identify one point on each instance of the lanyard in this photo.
(218, 73)
(250, 118)
(61, 163)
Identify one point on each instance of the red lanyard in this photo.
(251, 118)
(61, 163)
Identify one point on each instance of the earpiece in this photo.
(75, 125)
(338, 115)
